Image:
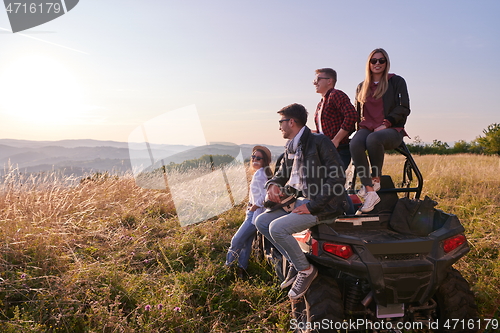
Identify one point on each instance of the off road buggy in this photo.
(387, 271)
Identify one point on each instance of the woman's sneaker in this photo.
(371, 199)
(302, 283)
(362, 192)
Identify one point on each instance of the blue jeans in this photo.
(278, 226)
(345, 154)
(345, 157)
(241, 243)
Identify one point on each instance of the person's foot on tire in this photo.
(302, 282)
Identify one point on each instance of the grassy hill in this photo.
(108, 256)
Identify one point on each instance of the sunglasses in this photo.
(282, 120)
(316, 81)
(381, 61)
(258, 158)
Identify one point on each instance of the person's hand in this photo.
(274, 192)
(301, 210)
(336, 143)
(253, 208)
(381, 127)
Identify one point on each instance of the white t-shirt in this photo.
(257, 193)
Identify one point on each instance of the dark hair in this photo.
(265, 163)
(331, 73)
(295, 111)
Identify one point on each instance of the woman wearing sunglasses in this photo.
(241, 243)
(383, 105)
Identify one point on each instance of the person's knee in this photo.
(373, 142)
(261, 223)
(276, 231)
(356, 150)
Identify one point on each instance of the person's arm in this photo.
(402, 101)
(274, 192)
(333, 184)
(350, 116)
(316, 118)
(342, 133)
(275, 184)
(357, 107)
(259, 179)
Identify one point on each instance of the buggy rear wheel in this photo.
(321, 308)
(456, 304)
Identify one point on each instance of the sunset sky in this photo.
(107, 67)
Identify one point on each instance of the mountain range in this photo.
(83, 157)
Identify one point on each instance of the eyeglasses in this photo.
(316, 81)
(258, 158)
(381, 61)
(282, 120)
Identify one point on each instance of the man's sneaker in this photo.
(371, 199)
(302, 283)
(362, 192)
(290, 277)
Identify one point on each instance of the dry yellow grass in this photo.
(468, 186)
(107, 255)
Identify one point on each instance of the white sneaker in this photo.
(371, 199)
(362, 192)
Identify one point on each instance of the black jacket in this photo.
(324, 174)
(396, 101)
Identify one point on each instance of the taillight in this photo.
(340, 250)
(452, 243)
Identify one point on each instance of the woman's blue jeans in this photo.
(241, 243)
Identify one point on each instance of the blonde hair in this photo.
(382, 84)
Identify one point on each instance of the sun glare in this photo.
(40, 89)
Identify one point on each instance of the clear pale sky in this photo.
(106, 67)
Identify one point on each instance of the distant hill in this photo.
(80, 157)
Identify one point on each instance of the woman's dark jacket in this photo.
(396, 101)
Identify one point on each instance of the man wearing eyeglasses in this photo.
(335, 115)
(311, 167)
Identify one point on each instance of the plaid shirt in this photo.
(336, 112)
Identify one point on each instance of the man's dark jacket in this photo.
(325, 177)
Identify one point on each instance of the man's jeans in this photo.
(278, 226)
(345, 154)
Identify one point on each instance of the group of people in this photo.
(314, 161)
